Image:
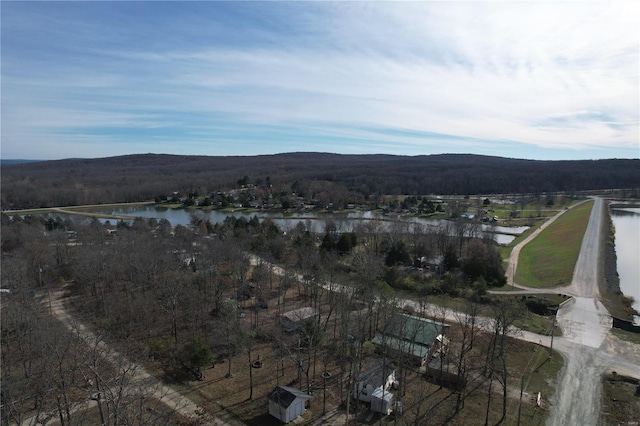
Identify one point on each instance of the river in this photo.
(626, 222)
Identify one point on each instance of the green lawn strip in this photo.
(549, 260)
(542, 371)
(26, 212)
(505, 251)
(530, 211)
(534, 371)
(111, 205)
(506, 287)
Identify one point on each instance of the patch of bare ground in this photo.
(620, 403)
(424, 401)
(242, 397)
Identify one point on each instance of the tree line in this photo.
(331, 178)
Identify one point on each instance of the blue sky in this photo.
(538, 80)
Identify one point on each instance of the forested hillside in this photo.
(142, 177)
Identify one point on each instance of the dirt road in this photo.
(162, 393)
(587, 346)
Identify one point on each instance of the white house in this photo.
(374, 386)
(287, 403)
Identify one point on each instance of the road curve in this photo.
(162, 393)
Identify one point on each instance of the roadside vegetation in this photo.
(628, 336)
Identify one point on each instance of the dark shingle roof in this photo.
(285, 395)
(377, 374)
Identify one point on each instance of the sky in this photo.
(544, 80)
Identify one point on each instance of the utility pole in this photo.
(553, 331)
(521, 392)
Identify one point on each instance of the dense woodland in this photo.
(352, 178)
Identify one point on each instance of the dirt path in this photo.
(162, 393)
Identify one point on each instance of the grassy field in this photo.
(619, 404)
(533, 223)
(549, 260)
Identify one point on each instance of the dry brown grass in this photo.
(620, 405)
(228, 397)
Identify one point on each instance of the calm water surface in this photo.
(627, 239)
(313, 221)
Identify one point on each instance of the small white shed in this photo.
(287, 403)
(382, 401)
(374, 386)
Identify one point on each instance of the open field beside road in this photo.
(549, 259)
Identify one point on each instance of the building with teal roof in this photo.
(410, 336)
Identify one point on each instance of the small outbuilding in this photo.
(295, 320)
(380, 375)
(287, 403)
(382, 402)
(374, 386)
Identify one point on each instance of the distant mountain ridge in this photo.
(16, 161)
(143, 176)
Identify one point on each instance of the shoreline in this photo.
(619, 305)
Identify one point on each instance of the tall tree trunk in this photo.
(250, 374)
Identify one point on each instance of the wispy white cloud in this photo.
(427, 77)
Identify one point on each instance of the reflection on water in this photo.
(313, 221)
(627, 239)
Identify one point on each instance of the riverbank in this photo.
(618, 305)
